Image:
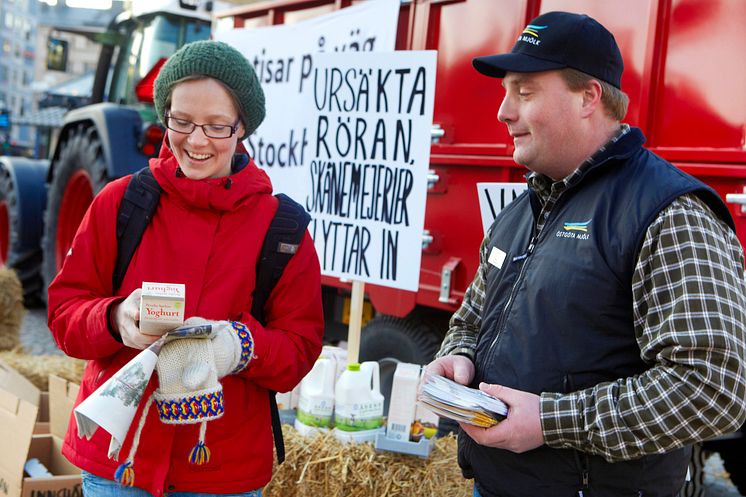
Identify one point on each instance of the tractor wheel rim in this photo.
(75, 201)
(4, 232)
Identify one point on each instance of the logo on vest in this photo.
(531, 34)
(577, 231)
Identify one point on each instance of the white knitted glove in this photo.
(232, 343)
(189, 390)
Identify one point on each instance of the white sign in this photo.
(493, 197)
(284, 59)
(366, 178)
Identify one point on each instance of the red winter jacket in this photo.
(206, 234)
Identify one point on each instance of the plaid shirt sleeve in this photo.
(688, 306)
(464, 326)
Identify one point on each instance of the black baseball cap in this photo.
(556, 40)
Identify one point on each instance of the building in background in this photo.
(18, 28)
(42, 46)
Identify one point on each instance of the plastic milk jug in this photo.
(358, 401)
(316, 401)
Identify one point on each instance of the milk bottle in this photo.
(316, 401)
(358, 401)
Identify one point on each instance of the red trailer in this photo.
(685, 82)
(684, 74)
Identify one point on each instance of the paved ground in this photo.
(36, 339)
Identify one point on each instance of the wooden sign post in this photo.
(356, 319)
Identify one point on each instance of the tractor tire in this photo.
(21, 207)
(391, 340)
(734, 462)
(79, 173)
(409, 339)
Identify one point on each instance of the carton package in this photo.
(403, 401)
(283, 400)
(425, 423)
(19, 406)
(161, 307)
(339, 355)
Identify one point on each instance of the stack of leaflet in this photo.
(448, 399)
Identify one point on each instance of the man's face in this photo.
(543, 116)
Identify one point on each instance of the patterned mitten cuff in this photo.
(233, 345)
(189, 390)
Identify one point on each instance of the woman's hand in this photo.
(125, 319)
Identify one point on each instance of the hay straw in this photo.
(323, 466)
(37, 368)
(11, 309)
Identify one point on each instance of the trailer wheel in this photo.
(20, 219)
(412, 339)
(78, 174)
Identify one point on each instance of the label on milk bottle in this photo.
(315, 412)
(359, 416)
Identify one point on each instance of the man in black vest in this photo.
(608, 307)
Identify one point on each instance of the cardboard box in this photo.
(161, 307)
(41, 427)
(19, 407)
(62, 395)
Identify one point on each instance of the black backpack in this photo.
(285, 233)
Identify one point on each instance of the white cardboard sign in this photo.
(365, 176)
(284, 59)
(494, 197)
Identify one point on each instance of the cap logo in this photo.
(531, 34)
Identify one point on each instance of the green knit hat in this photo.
(220, 61)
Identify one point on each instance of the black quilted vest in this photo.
(558, 318)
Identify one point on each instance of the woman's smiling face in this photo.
(203, 101)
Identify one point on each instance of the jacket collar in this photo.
(619, 148)
(221, 194)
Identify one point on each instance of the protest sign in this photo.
(365, 181)
(494, 197)
(284, 59)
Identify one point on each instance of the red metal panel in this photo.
(683, 74)
(704, 102)
(466, 102)
(633, 24)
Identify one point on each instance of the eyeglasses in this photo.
(210, 130)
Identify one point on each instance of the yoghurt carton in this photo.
(161, 307)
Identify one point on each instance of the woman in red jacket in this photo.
(207, 232)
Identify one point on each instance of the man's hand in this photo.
(520, 431)
(455, 367)
(125, 316)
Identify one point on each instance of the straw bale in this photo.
(323, 466)
(37, 368)
(11, 309)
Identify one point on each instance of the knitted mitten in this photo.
(232, 343)
(189, 390)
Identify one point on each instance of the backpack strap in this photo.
(281, 242)
(135, 213)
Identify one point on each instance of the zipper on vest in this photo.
(584, 473)
(513, 291)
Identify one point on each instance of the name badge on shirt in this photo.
(497, 257)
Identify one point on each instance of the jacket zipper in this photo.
(585, 477)
(501, 322)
